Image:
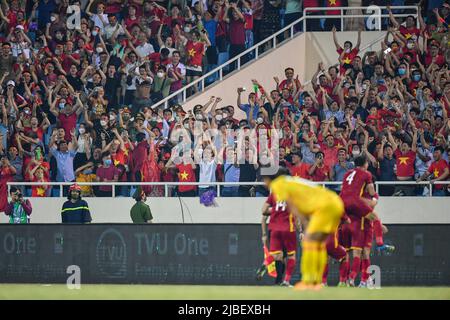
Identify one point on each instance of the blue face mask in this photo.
(381, 81)
(401, 72)
(107, 162)
(416, 77)
(61, 105)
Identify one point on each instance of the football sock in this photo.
(343, 271)
(307, 262)
(290, 266)
(378, 232)
(365, 263)
(279, 265)
(322, 259)
(356, 266)
(325, 274)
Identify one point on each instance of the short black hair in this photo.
(439, 148)
(13, 189)
(282, 171)
(360, 161)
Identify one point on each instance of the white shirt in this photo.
(99, 22)
(145, 49)
(109, 30)
(207, 172)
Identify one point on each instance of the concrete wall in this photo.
(303, 53)
(404, 210)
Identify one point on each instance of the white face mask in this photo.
(259, 120)
(103, 123)
(410, 45)
(356, 153)
(111, 118)
(364, 86)
(94, 33)
(186, 125)
(218, 117)
(160, 74)
(99, 49)
(198, 116)
(347, 50)
(187, 29)
(225, 115)
(81, 130)
(52, 19)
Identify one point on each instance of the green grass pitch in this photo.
(180, 292)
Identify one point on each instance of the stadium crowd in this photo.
(76, 103)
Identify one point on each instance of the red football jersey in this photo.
(354, 182)
(405, 163)
(280, 217)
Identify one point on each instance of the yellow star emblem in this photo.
(116, 162)
(191, 52)
(347, 60)
(40, 191)
(436, 173)
(408, 35)
(403, 160)
(184, 175)
(332, 2)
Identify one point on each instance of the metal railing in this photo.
(216, 185)
(255, 50)
(343, 15)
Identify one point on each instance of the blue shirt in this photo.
(246, 108)
(231, 172)
(64, 162)
(211, 27)
(4, 133)
(44, 11)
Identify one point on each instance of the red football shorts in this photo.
(361, 233)
(334, 249)
(355, 206)
(283, 240)
(345, 235)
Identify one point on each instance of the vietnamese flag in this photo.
(269, 261)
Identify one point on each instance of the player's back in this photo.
(280, 217)
(354, 182)
(305, 195)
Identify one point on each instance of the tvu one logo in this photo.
(73, 17)
(373, 22)
(74, 280)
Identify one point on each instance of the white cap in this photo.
(11, 82)
(19, 26)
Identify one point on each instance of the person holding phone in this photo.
(18, 209)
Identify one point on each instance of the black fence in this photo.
(192, 254)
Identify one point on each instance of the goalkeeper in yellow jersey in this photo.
(320, 211)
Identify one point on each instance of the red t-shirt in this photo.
(280, 217)
(405, 163)
(437, 168)
(68, 122)
(107, 173)
(186, 174)
(330, 155)
(300, 170)
(194, 52)
(39, 132)
(321, 174)
(237, 32)
(331, 4)
(354, 183)
(408, 33)
(347, 59)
